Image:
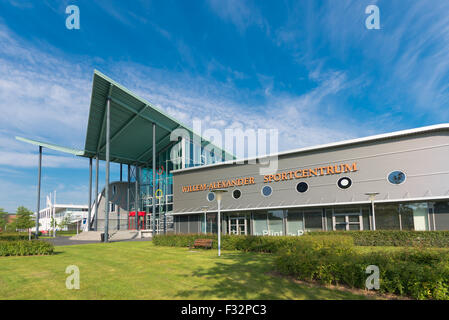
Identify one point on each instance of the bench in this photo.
(205, 243)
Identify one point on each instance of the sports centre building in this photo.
(396, 181)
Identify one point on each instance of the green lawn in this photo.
(140, 270)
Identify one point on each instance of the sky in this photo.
(310, 69)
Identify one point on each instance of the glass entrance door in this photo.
(237, 225)
(347, 222)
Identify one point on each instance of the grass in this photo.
(140, 270)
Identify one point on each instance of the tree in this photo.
(3, 219)
(24, 218)
(66, 221)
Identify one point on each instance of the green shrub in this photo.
(419, 273)
(11, 236)
(25, 248)
(393, 237)
(250, 243)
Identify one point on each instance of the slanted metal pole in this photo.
(119, 203)
(106, 187)
(97, 165)
(153, 212)
(89, 211)
(38, 191)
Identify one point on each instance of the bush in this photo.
(393, 237)
(25, 248)
(11, 236)
(253, 243)
(419, 273)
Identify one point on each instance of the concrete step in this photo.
(123, 235)
(114, 235)
(88, 236)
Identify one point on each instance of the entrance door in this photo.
(237, 225)
(347, 222)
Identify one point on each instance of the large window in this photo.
(414, 216)
(260, 223)
(313, 220)
(275, 222)
(406, 216)
(295, 225)
(387, 216)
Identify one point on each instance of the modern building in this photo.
(171, 172)
(75, 215)
(404, 175)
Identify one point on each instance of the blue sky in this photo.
(310, 69)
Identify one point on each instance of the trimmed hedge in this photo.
(11, 236)
(393, 238)
(419, 273)
(253, 243)
(25, 248)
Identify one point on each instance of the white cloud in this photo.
(242, 14)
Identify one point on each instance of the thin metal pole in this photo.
(219, 228)
(136, 201)
(153, 212)
(89, 211)
(97, 167)
(127, 194)
(106, 188)
(54, 216)
(38, 191)
(118, 209)
(374, 215)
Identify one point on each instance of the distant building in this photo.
(77, 216)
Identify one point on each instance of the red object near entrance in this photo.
(131, 222)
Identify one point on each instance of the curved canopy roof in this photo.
(131, 119)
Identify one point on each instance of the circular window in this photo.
(344, 183)
(267, 191)
(211, 196)
(236, 193)
(302, 187)
(396, 177)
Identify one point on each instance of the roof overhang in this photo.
(131, 127)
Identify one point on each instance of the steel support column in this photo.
(89, 211)
(153, 202)
(127, 194)
(38, 191)
(136, 200)
(106, 187)
(97, 167)
(119, 204)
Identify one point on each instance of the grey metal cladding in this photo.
(423, 157)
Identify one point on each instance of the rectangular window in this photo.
(294, 223)
(260, 223)
(313, 220)
(414, 216)
(275, 222)
(387, 216)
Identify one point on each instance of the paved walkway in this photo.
(65, 241)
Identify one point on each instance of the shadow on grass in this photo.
(247, 276)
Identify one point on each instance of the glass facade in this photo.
(183, 154)
(403, 216)
(297, 221)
